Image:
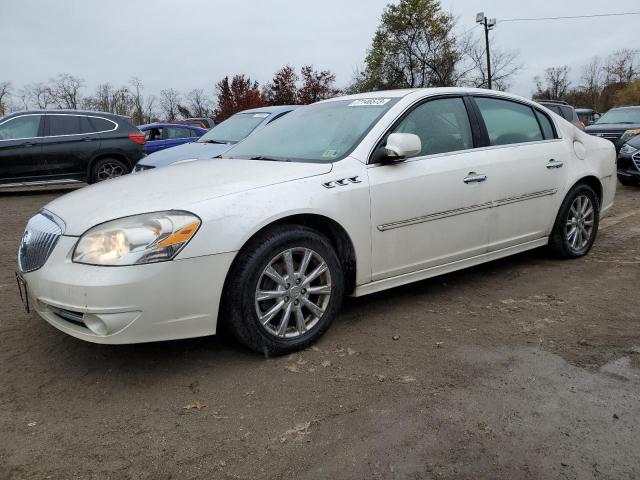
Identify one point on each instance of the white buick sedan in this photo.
(348, 196)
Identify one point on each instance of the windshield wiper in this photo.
(269, 159)
(212, 141)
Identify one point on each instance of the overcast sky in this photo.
(193, 43)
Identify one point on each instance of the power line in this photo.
(568, 17)
(467, 31)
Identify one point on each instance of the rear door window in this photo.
(175, 133)
(442, 125)
(508, 122)
(26, 126)
(102, 124)
(64, 125)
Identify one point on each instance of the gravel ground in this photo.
(527, 367)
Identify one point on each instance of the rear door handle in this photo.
(88, 139)
(28, 144)
(474, 177)
(554, 164)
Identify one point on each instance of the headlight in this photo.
(147, 238)
(629, 134)
(628, 149)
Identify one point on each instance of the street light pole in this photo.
(489, 24)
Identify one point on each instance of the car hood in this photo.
(178, 187)
(611, 127)
(186, 151)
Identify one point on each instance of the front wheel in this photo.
(577, 223)
(284, 290)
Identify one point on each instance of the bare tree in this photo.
(39, 95)
(592, 80)
(198, 103)
(169, 101)
(555, 85)
(138, 100)
(150, 114)
(5, 93)
(621, 66)
(23, 98)
(65, 89)
(101, 99)
(473, 66)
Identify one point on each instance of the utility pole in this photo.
(489, 24)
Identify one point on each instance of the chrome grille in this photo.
(636, 160)
(38, 240)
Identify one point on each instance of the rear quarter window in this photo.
(102, 124)
(545, 124)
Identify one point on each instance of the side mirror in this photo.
(402, 145)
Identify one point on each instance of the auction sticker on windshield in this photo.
(370, 102)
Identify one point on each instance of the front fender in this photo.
(229, 222)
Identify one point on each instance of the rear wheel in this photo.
(284, 290)
(577, 223)
(106, 169)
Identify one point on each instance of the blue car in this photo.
(160, 136)
(219, 139)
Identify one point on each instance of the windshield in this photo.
(620, 115)
(234, 129)
(323, 132)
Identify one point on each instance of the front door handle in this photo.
(554, 164)
(474, 177)
(88, 139)
(28, 144)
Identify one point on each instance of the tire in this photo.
(242, 304)
(575, 216)
(628, 182)
(106, 169)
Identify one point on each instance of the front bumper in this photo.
(133, 304)
(627, 167)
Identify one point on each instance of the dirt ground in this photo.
(528, 367)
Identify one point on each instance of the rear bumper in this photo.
(133, 304)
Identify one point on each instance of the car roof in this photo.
(170, 124)
(626, 107)
(272, 109)
(430, 92)
(69, 111)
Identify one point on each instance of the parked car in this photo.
(588, 116)
(351, 195)
(160, 136)
(203, 122)
(619, 125)
(565, 110)
(219, 139)
(66, 146)
(629, 162)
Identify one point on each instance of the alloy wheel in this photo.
(110, 170)
(580, 222)
(293, 292)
